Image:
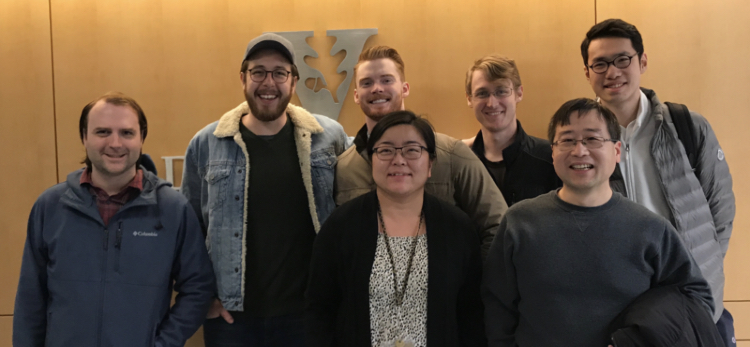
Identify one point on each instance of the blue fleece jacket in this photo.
(84, 283)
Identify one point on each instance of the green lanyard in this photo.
(400, 293)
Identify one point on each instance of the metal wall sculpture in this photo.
(352, 41)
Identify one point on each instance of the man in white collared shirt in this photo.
(654, 170)
(638, 169)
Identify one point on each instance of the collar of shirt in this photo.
(135, 184)
(644, 109)
(510, 153)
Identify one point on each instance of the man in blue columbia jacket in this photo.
(105, 248)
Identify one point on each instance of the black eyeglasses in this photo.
(620, 62)
(259, 75)
(408, 152)
(593, 142)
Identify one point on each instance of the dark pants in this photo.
(726, 329)
(247, 331)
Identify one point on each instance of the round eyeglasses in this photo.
(620, 62)
(259, 75)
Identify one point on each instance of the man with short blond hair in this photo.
(520, 164)
(457, 175)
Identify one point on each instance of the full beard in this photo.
(268, 115)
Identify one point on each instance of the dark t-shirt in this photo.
(280, 231)
(496, 169)
(527, 170)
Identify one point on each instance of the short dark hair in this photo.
(117, 99)
(583, 106)
(246, 62)
(612, 28)
(393, 119)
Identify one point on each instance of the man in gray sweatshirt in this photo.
(565, 264)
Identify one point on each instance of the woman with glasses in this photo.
(396, 267)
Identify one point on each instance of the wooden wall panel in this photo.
(27, 123)
(196, 340)
(741, 314)
(181, 61)
(6, 331)
(694, 50)
(163, 53)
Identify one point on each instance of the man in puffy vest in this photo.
(655, 170)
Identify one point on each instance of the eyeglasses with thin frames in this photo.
(620, 62)
(593, 142)
(498, 93)
(259, 75)
(410, 152)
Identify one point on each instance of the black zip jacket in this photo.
(528, 167)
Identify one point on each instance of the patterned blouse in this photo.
(388, 321)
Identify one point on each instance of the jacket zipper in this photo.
(102, 282)
(106, 238)
(118, 245)
(629, 184)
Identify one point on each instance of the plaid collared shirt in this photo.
(109, 205)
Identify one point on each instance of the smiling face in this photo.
(494, 113)
(585, 171)
(113, 141)
(616, 86)
(399, 176)
(379, 89)
(268, 99)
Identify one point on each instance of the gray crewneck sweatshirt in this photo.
(557, 274)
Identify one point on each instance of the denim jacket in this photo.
(215, 181)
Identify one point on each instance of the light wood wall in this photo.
(6, 330)
(181, 59)
(28, 134)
